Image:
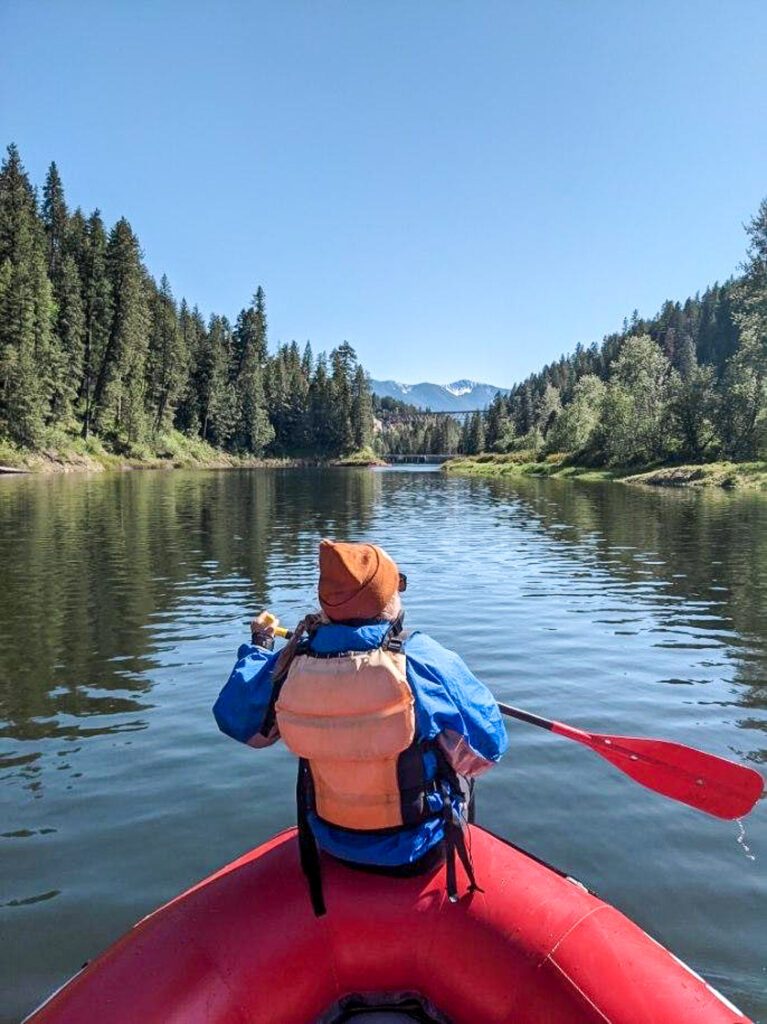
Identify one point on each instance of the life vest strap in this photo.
(308, 850)
(455, 831)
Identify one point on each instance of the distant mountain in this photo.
(456, 397)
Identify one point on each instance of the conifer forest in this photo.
(91, 346)
(687, 384)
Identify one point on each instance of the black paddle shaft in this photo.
(525, 716)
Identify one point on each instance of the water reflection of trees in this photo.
(89, 565)
(709, 549)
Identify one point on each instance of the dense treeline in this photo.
(690, 383)
(91, 345)
(404, 430)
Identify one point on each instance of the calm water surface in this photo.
(124, 598)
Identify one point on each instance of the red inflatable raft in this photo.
(243, 947)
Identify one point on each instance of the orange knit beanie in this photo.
(357, 581)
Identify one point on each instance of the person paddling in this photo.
(391, 729)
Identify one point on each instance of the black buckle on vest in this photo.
(395, 638)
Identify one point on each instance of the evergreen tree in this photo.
(167, 359)
(473, 441)
(193, 339)
(252, 431)
(222, 404)
(743, 421)
(499, 426)
(525, 416)
(362, 409)
(26, 309)
(54, 218)
(307, 362)
(320, 417)
(344, 363)
(97, 305)
(70, 331)
(119, 391)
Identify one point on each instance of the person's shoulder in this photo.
(423, 647)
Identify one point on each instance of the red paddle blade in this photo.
(709, 783)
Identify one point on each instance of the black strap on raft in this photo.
(454, 823)
(455, 843)
(307, 845)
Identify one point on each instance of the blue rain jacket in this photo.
(451, 706)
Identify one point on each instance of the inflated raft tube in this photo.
(244, 947)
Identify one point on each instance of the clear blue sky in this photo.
(459, 189)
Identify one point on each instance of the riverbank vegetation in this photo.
(99, 362)
(726, 474)
(686, 386)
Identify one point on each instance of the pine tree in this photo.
(362, 410)
(525, 410)
(260, 330)
(253, 431)
(307, 362)
(221, 404)
(296, 434)
(474, 434)
(343, 361)
(26, 309)
(192, 327)
(70, 332)
(499, 427)
(118, 395)
(167, 359)
(55, 218)
(743, 421)
(321, 432)
(97, 303)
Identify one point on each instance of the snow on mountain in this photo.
(459, 396)
(462, 387)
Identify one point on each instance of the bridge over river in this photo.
(418, 459)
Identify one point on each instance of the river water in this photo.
(123, 599)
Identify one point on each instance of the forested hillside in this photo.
(690, 383)
(92, 347)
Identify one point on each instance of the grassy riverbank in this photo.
(730, 475)
(173, 450)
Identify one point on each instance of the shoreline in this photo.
(93, 457)
(724, 475)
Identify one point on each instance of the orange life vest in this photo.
(350, 716)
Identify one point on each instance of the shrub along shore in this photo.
(728, 475)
